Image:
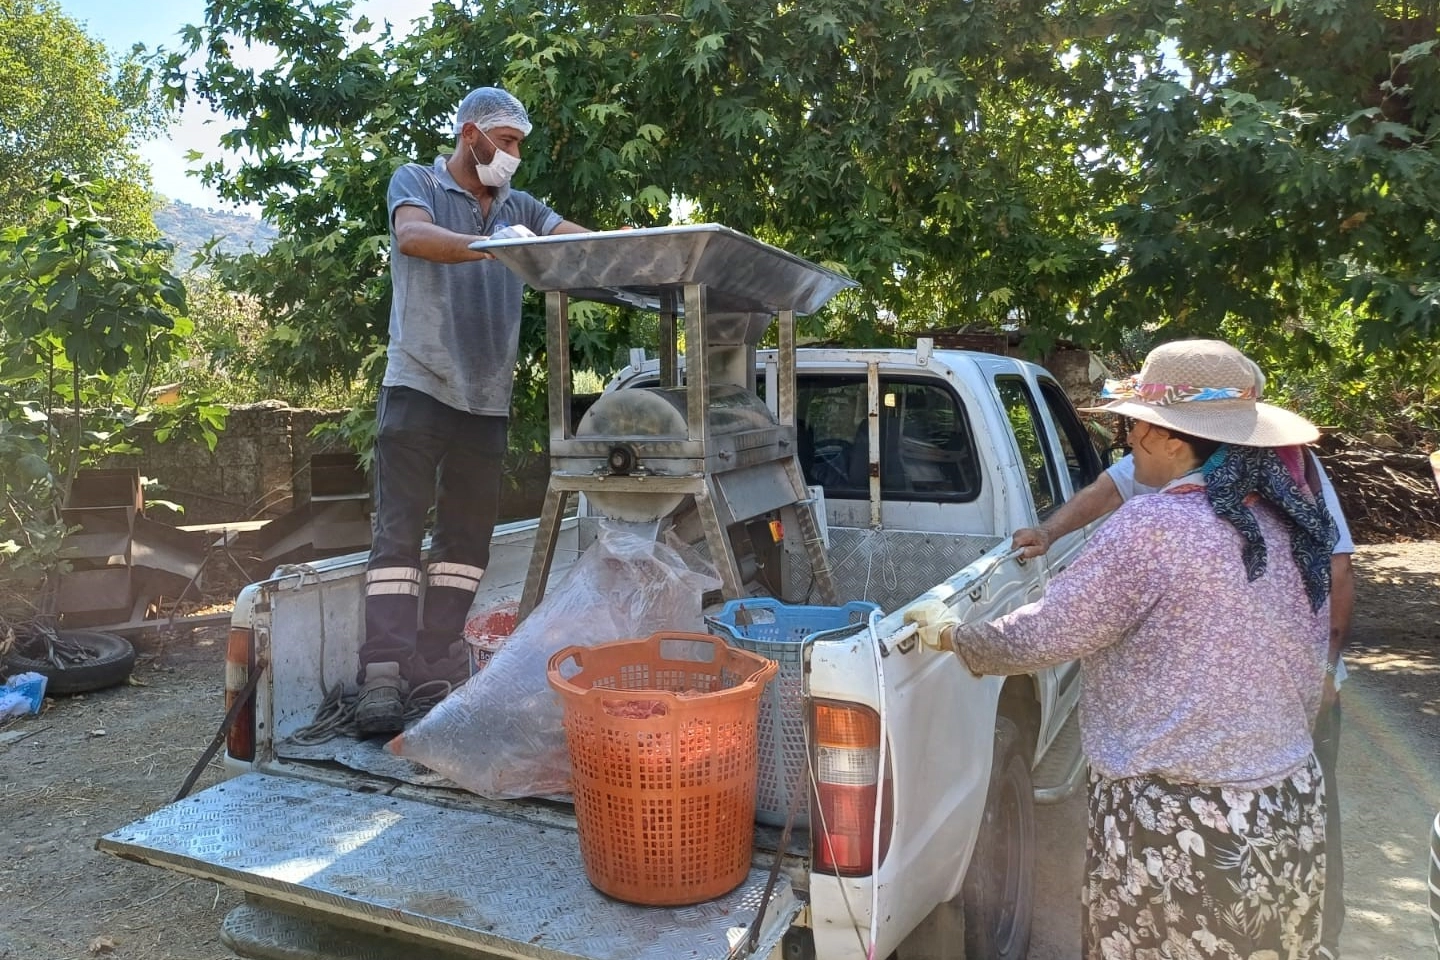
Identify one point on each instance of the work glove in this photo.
(931, 618)
(1034, 541)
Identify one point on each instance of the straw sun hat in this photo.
(1208, 389)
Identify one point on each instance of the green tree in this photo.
(1083, 169)
(1287, 175)
(86, 316)
(857, 136)
(222, 355)
(64, 105)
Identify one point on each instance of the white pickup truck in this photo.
(345, 851)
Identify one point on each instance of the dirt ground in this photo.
(91, 764)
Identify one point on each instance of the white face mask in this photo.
(499, 170)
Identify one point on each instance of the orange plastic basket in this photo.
(663, 751)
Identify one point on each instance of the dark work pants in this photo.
(428, 453)
(1327, 750)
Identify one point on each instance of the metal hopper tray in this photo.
(631, 267)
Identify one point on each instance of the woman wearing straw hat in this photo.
(1199, 616)
(1114, 487)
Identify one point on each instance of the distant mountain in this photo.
(190, 228)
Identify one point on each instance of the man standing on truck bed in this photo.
(444, 405)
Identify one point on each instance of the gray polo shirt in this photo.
(455, 327)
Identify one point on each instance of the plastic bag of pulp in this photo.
(500, 735)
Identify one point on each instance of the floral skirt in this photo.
(1176, 871)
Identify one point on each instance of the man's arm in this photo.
(1342, 604)
(417, 235)
(1342, 601)
(1342, 573)
(1090, 504)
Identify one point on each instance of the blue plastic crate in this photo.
(780, 632)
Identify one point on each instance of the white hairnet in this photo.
(490, 107)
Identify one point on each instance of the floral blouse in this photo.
(1189, 672)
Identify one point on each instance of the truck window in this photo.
(1035, 454)
(927, 451)
(1082, 459)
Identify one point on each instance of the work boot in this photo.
(381, 707)
(453, 666)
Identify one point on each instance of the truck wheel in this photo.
(999, 889)
(990, 918)
(109, 660)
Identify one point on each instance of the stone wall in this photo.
(259, 469)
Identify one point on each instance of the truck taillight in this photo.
(846, 744)
(239, 661)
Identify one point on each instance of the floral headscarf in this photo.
(1234, 474)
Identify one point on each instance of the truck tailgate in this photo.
(456, 878)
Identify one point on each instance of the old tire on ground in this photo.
(999, 890)
(110, 662)
(990, 919)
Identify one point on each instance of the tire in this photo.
(999, 891)
(991, 917)
(112, 658)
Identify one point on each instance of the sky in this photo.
(157, 23)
